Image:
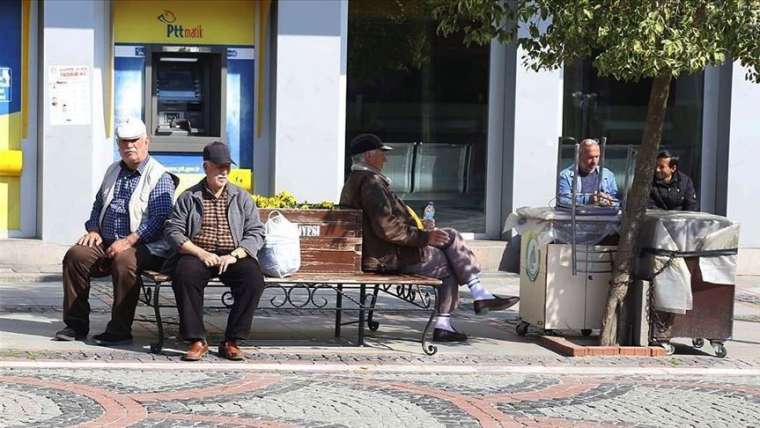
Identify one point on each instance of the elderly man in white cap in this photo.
(124, 235)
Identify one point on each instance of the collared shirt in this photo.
(215, 235)
(564, 196)
(115, 223)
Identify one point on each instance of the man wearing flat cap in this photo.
(216, 230)
(395, 240)
(124, 235)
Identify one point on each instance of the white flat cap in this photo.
(130, 129)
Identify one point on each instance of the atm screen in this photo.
(182, 93)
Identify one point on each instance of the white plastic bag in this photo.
(281, 254)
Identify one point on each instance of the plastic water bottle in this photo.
(429, 213)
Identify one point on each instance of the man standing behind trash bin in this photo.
(671, 188)
(216, 230)
(588, 178)
(393, 240)
(124, 236)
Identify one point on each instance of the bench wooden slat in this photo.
(331, 278)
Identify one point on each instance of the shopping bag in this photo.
(281, 254)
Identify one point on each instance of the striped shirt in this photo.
(215, 236)
(115, 223)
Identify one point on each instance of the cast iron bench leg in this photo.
(371, 323)
(427, 347)
(362, 305)
(338, 309)
(158, 346)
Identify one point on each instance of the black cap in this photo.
(366, 142)
(218, 153)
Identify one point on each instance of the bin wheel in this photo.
(720, 350)
(698, 342)
(155, 348)
(586, 332)
(522, 328)
(669, 348)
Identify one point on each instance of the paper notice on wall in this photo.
(5, 85)
(70, 101)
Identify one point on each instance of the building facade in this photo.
(288, 83)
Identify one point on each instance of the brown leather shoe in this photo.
(196, 351)
(228, 349)
(496, 304)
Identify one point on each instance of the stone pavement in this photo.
(148, 398)
(297, 374)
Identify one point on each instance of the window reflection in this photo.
(427, 96)
(597, 106)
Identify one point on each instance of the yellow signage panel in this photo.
(184, 22)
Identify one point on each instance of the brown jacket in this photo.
(391, 238)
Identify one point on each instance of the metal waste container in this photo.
(689, 259)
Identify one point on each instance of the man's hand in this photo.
(225, 261)
(602, 199)
(90, 239)
(438, 238)
(118, 246)
(208, 259)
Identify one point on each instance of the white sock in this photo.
(477, 290)
(443, 322)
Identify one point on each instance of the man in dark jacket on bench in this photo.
(394, 240)
(671, 188)
(215, 228)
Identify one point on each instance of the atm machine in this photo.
(189, 96)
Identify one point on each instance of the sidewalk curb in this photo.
(27, 277)
(395, 368)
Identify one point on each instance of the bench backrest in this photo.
(331, 240)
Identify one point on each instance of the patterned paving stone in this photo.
(222, 397)
(24, 405)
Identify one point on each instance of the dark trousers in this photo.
(81, 263)
(190, 278)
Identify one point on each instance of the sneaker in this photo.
(110, 339)
(68, 334)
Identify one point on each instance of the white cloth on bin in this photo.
(672, 287)
(686, 232)
(281, 254)
(721, 269)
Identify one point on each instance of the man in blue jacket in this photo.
(588, 192)
(216, 230)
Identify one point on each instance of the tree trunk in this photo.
(636, 204)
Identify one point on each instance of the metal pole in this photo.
(572, 211)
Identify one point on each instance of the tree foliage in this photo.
(627, 39)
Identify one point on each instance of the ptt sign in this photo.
(179, 31)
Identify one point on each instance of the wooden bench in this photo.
(330, 267)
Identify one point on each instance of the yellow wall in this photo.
(184, 22)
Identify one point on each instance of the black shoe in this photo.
(441, 335)
(68, 334)
(496, 304)
(110, 339)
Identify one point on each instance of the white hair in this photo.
(589, 142)
(357, 158)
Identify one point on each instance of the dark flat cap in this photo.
(366, 142)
